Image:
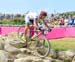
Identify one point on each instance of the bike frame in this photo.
(42, 33)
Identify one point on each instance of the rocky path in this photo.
(11, 50)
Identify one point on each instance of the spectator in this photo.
(71, 21)
(66, 21)
(74, 21)
(61, 21)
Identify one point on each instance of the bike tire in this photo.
(20, 33)
(22, 37)
(47, 46)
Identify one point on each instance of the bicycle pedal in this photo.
(32, 39)
(25, 46)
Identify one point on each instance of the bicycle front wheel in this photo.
(43, 47)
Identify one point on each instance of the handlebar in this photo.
(42, 30)
(49, 30)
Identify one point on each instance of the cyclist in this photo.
(32, 18)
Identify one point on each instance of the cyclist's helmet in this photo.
(43, 13)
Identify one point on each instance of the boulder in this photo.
(69, 54)
(61, 55)
(73, 60)
(11, 49)
(17, 43)
(13, 35)
(52, 53)
(32, 59)
(4, 56)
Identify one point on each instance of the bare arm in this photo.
(45, 24)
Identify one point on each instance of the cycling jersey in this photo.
(30, 17)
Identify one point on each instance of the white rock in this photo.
(3, 56)
(11, 49)
(32, 59)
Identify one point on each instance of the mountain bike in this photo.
(37, 42)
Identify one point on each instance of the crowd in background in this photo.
(55, 20)
(63, 21)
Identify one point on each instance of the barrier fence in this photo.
(55, 33)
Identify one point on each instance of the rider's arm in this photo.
(45, 24)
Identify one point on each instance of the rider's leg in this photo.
(31, 30)
(26, 30)
(34, 34)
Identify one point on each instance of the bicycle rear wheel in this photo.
(20, 33)
(43, 47)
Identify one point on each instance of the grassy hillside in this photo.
(63, 44)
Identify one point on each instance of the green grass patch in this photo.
(63, 44)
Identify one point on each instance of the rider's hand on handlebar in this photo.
(40, 29)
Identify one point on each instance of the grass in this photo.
(63, 44)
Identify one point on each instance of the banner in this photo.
(55, 33)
